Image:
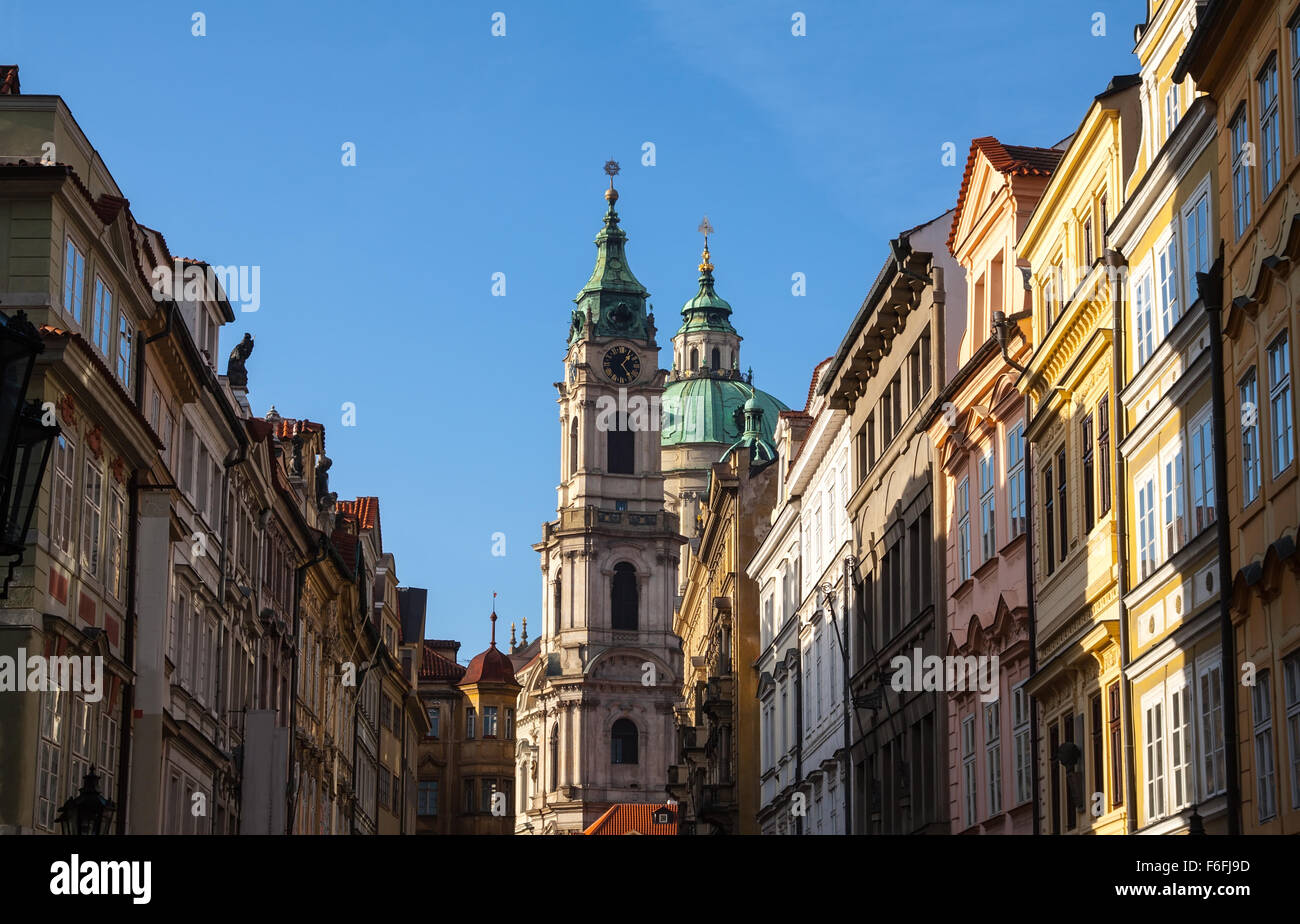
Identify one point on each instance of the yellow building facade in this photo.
(1082, 780)
(1165, 235)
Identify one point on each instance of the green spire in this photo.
(707, 310)
(612, 300)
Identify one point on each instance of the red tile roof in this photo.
(1011, 159)
(434, 666)
(813, 384)
(633, 818)
(365, 509)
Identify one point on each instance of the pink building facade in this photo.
(977, 427)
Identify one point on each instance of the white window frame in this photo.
(963, 529)
(1173, 111)
(74, 279)
(125, 350)
(1239, 134)
(101, 316)
(1201, 496)
(1015, 444)
(988, 505)
(1143, 297)
(1281, 414)
(92, 515)
(993, 757)
(1181, 736)
(62, 484)
(1167, 281)
(1264, 771)
(1153, 751)
(1021, 705)
(1251, 451)
(1173, 499)
(1211, 756)
(1197, 231)
(969, 785)
(1147, 507)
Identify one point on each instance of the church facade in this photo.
(596, 705)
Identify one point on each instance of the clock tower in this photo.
(596, 708)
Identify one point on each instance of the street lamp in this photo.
(87, 812)
(25, 441)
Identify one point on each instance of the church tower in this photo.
(596, 708)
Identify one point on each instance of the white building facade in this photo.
(803, 634)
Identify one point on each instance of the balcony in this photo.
(718, 797)
(582, 518)
(719, 694)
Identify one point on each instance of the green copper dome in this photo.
(761, 450)
(709, 409)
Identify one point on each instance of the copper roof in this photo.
(1011, 159)
(633, 818)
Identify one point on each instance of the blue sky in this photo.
(479, 154)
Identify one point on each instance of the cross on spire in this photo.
(706, 229)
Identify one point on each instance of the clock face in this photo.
(622, 365)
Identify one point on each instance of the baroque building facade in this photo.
(715, 778)
(1165, 236)
(977, 428)
(802, 655)
(181, 538)
(596, 705)
(883, 377)
(1077, 528)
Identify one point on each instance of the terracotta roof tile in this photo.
(813, 384)
(1011, 159)
(434, 666)
(633, 818)
(365, 509)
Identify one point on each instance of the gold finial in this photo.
(611, 168)
(706, 229)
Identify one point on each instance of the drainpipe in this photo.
(1210, 288)
(1115, 265)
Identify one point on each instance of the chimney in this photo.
(9, 80)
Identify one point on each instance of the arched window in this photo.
(695, 359)
(622, 742)
(558, 609)
(555, 757)
(621, 443)
(717, 359)
(573, 448)
(623, 598)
